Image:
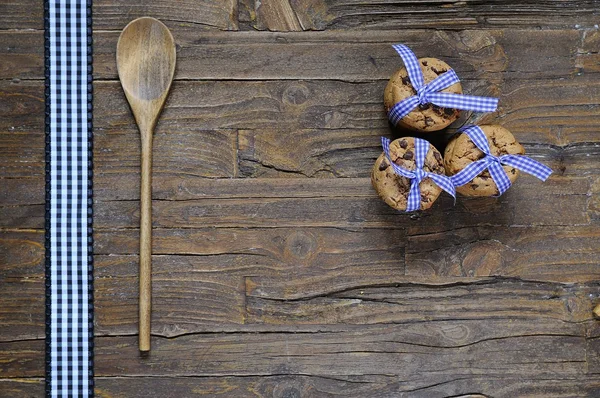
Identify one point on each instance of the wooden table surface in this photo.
(277, 270)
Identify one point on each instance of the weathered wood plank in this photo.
(588, 57)
(349, 386)
(308, 153)
(565, 254)
(22, 388)
(115, 14)
(198, 274)
(199, 279)
(460, 348)
(331, 105)
(536, 111)
(490, 55)
(351, 114)
(183, 151)
(363, 209)
(360, 14)
(359, 207)
(321, 14)
(261, 154)
(416, 303)
(314, 386)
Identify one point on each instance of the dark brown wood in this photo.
(288, 15)
(406, 350)
(278, 272)
(314, 386)
(115, 14)
(498, 54)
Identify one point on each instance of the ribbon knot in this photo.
(422, 95)
(431, 93)
(418, 174)
(495, 159)
(494, 163)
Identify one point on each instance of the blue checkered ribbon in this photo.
(418, 174)
(494, 163)
(430, 93)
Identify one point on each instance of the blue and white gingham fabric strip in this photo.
(417, 175)
(69, 279)
(494, 163)
(430, 93)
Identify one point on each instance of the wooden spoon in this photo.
(146, 65)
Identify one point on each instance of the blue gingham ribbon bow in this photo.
(418, 174)
(494, 163)
(430, 93)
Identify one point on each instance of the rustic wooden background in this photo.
(277, 271)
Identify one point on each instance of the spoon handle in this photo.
(145, 244)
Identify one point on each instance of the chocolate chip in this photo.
(424, 63)
(484, 177)
(424, 199)
(437, 156)
(406, 81)
(512, 171)
(428, 121)
(403, 144)
(438, 72)
(408, 155)
(474, 186)
(423, 107)
(449, 111)
(384, 165)
(436, 109)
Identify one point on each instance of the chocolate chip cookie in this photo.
(461, 151)
(426, 117)
(393, 188)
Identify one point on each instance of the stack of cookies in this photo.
(426, 96)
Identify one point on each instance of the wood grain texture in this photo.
(493, 55)
(360, 14)
(115, 14)
(281, 386)
(278, 272)
(460, 348)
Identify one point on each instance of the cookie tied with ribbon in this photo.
(409, 174)
(426, 95)
(485, 161)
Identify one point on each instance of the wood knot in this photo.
(300, 245)
(296, 94)
(289, 392)
(288, 388)
(456, 333)
(483, 258)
